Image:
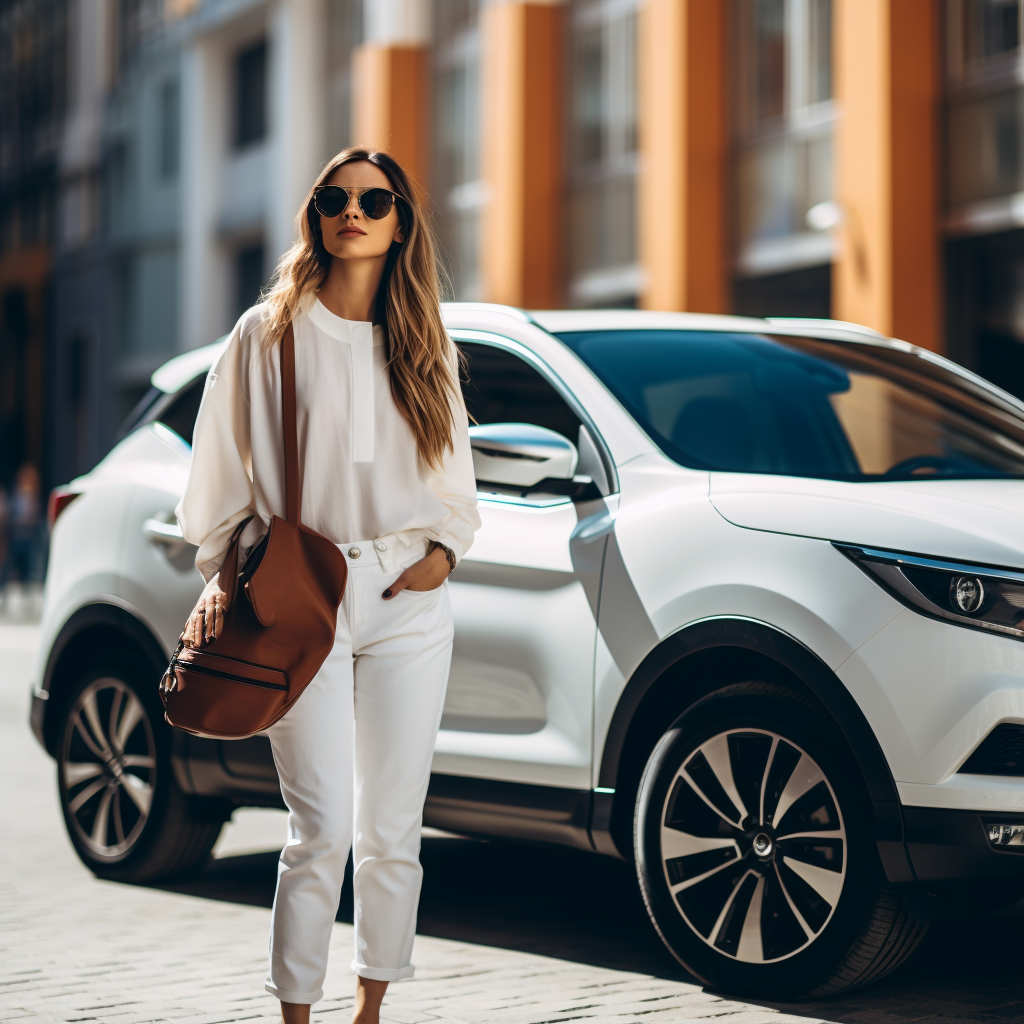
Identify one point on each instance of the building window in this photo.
(984, 181)
(136, 21)
(169, 130)
(984, 32)
(457, 185)
(78, 380)
(984, 107)
(784, 120)
(249, 260)
(251, 95)
(602, 157)
(120, 188)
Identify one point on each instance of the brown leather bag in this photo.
(278, 631)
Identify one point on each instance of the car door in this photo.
(158, 570)
(520, 692)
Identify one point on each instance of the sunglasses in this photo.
(376, 203)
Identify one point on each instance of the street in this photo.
(507, 932)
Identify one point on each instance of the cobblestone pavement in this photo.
(508, 933)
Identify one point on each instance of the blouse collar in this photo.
(351, 331)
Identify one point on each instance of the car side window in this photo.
(180, 413)
(503, 388)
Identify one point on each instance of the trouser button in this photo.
(354, 552)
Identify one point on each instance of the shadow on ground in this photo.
(579, 907)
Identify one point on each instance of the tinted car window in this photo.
(140, 414)
(805, 407)
(502, 388)
(181, 411)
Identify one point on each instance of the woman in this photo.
(387, 474)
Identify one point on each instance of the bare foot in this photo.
(369, 996)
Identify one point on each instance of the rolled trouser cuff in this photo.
(383, 973)
(294, 996)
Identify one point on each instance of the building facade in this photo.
(859, 159)
(34, 100)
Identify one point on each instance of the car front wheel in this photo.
(755, 853)
(126, 816)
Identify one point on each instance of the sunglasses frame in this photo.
(357, 194)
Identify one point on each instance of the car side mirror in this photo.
(528, 459)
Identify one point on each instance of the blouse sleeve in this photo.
(455, 485)
(219, 493)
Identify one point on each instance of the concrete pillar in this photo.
(391, 83)
(887, 274)
(77, 364)
(298, 117)
(90, 62)
(204, 119)
(683, 144)
(522, 161)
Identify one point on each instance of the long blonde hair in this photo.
(422, 366)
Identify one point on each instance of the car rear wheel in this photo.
(755, 854)
(127, 818)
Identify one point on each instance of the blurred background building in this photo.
(859, 159)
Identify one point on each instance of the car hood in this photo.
(966, 520)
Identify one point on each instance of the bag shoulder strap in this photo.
(229, 567)
(292, 482)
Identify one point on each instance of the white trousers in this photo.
(354, 758)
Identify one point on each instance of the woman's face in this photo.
(353, 235)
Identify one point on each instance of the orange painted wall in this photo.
(522, 157)
(887, 272)
(683, 142)
(390, 105)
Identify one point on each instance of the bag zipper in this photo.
(191, 666)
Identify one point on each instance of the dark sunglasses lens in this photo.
(376, 203)
(330, 200)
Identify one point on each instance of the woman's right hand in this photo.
(207, 619)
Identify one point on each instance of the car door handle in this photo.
(167, 535)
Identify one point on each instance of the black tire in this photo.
(127, 817)
(755, 853)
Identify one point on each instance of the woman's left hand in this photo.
(426, 574)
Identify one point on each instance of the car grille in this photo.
(1000, 753)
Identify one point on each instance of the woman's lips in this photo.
(351, 232)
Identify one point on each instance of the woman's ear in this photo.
(399, 236)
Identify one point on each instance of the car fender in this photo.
(101, 615)
(666, 665)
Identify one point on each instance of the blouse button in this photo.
(380, 545)
(354, 552)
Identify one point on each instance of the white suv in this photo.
(746, 608)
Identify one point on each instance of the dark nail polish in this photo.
(387, 593)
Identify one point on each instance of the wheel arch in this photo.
(701, 658)
(89, 635)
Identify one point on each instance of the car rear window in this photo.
(178, 410)
(180, 413)
(805, 406)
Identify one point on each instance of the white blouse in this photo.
(362, 477)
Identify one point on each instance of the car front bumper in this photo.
(947, 845)
(37, 715)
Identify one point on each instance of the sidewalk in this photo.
(508, 933)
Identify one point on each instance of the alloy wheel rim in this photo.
(108, 768)
(753, 845)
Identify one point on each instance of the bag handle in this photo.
(292, 483)
(229, 568)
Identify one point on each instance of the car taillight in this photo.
(60, 498)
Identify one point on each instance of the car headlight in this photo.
(979, 597)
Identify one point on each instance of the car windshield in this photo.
(753, 403)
